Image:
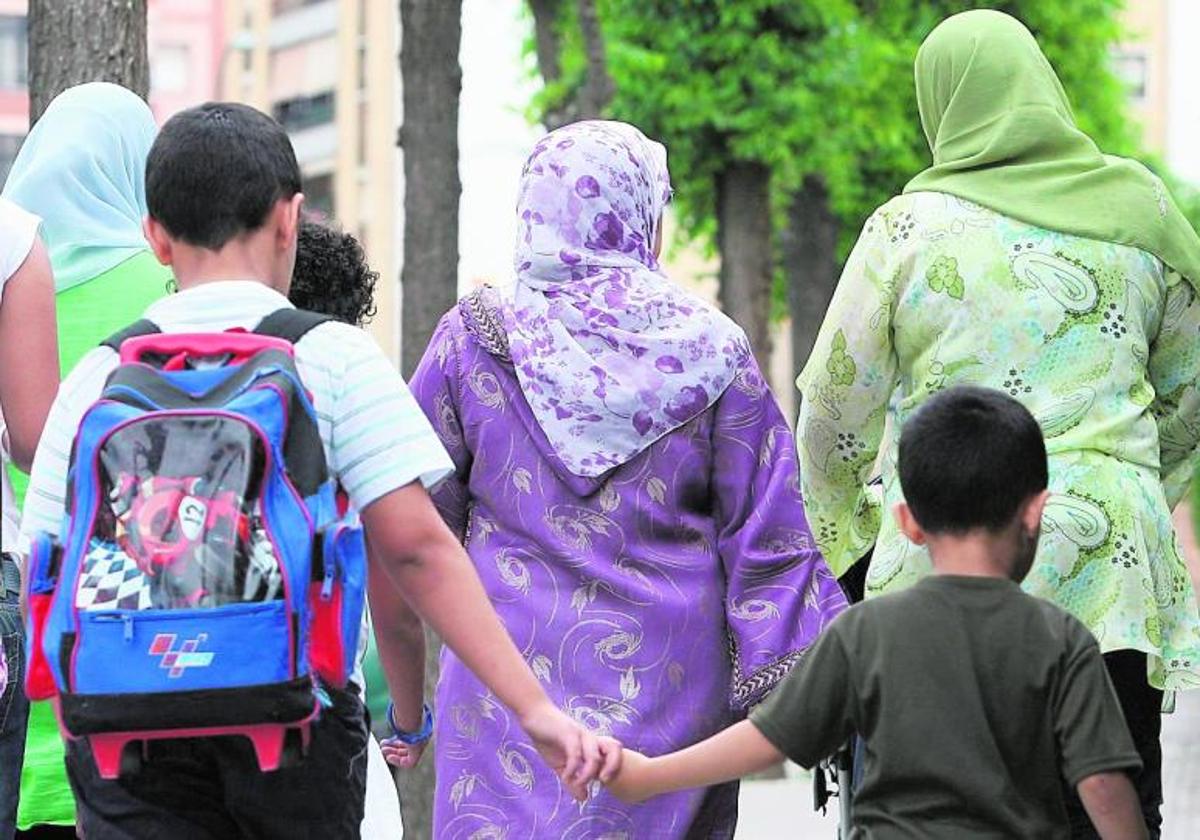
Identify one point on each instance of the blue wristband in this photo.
(413, 739)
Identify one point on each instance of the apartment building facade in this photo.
(327, 71)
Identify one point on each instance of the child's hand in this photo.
(632, 783)
(613, 755)
(570, 750)
(400, 754)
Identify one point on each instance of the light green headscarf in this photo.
(1003, 136)
(82, 169)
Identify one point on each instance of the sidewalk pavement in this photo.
(1181, 769)
(781, 809)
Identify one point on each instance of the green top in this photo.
(87, 314)
(1003, 135)
(91, 312)
(1097, 340)
(966, 692)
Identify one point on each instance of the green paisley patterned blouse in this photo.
(1098, 340)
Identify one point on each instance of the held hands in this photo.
(576, 755)
(404, 749)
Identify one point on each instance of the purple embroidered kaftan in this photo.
(655, 602)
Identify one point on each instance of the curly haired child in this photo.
(332, 276)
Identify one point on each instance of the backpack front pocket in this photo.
(135, 651)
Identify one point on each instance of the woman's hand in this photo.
(576, 755)
(400, 754)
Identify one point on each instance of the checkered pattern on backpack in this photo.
(111, 580)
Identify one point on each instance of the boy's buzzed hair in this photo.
(969, 458)
(332, 276)
(216, 170)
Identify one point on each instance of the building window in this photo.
(169, 68)
(1133, 69)
(363, 128)
(12, 51)
(281, 6)
(303, 112)
(318, 194)
(10, 144)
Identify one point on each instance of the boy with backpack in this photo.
(975, 701)
(226, 418)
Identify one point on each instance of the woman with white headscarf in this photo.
(82, 171)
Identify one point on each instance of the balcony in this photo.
(315, 145)
(297, 21)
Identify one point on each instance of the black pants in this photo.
(212, 789)
(14, 707)
(1142, 706)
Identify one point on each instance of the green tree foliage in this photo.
(821, 87)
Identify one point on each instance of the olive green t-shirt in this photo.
(975, 702)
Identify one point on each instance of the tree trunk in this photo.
(431, 31)
(593, 96)
(597, 90)
(416, 785)
(548, 47)
(809, 251)
(432, 81)
(77, 41)
(744, 240)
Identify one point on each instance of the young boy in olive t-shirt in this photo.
(975, 700)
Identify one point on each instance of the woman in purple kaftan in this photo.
(626, 486)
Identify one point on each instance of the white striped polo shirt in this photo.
(376, 437)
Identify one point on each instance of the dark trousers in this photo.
(1142, 706)
(14, 707)
(212, 789)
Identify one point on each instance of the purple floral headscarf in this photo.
(609, 353)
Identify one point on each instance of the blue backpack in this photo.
(204, 578)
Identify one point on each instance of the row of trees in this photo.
(788, 122)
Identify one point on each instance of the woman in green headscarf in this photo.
(82, 170)
(1026, 260)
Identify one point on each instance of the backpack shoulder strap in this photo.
(290, 324)
(134, 330)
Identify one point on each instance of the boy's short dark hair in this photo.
(216, 170)
(969, 458)
(332, 276)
